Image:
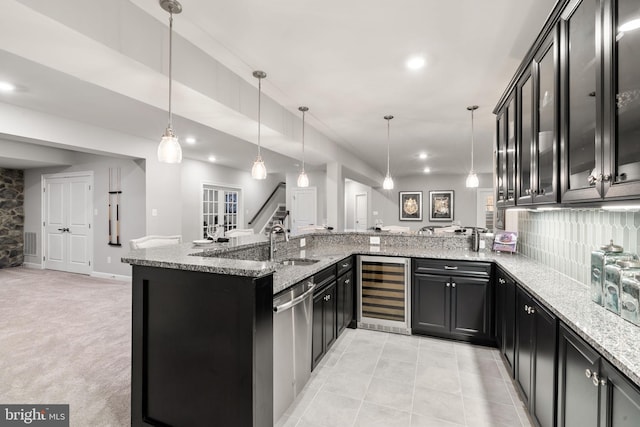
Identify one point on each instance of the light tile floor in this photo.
(377, 379)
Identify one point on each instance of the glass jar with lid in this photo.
(613, 275)
(630, 298)
(607, 254)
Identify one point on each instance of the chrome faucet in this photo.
(276, 229)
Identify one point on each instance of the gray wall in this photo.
(195, 173)
(386, 203)
(351, 189)
(132, 208)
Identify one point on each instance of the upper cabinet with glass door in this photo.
(506, 155)
(621, 133)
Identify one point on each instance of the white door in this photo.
(361, 212)
(67, 205)
(484, 207)
(303, 209)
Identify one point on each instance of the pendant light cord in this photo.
(170, 63)
(303, 111)
(472, 141)
(388, 138)
(259, 107)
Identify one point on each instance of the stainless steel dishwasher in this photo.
(292, 317)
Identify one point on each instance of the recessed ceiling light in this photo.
(212, 158)
(190, 140)
(426, 170)
(415, 63)
(423, 156)
(6, 87)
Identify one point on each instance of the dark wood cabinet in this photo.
(325, 314)
(505, 312)
(591, 392)
(453, 306)
(506, 152)
(535, 358)
(345, 301)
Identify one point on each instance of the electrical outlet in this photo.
(374, 248)
(303, 242)
(374, 240)
(375, 213)
(303, 253)
(108, 260)
(154, 212)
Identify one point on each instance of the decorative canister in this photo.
(607, 254)
(630, 299)
(613, 275)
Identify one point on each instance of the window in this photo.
(220, 206)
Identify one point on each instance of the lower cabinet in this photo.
(591, 392)
(505, 313)
(325, 304)
(535, 358)
(345, 300)
(452, 306)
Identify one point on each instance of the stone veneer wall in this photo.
(563, 239)
(11, 218)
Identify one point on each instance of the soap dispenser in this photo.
(475, 240)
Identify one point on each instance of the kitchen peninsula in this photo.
(202, 317)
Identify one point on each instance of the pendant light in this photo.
(259, 170)
(169, 150)
(303, 179)
(472, 179)
(387, 184)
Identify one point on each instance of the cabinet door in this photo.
(501, 160)
(619, 399)
(577, 396)
(545, 187)
(505, 319)
(525, 146)
(431, 304)
(345, 301)
(317, 334)
(580, 145)
(511, 152)
(330, 316)
(470, 306)
(621, 52)
(524, 344)
(543, 404)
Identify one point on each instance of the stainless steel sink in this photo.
(298, 261)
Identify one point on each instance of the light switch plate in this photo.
(374, 248)
(303, 242)
(303, 253)
(154, 212)
(374, 240)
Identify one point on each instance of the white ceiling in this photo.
(345, 60)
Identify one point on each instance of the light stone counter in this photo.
(613, 337)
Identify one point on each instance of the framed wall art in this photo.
(441, 205)
(411, 206)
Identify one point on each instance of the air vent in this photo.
(30, 243)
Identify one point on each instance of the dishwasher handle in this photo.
(297, 300)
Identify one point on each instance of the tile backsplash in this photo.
(563, 239)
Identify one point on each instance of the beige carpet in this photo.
(66, 338)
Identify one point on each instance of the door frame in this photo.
(355, 210)
(43, 182)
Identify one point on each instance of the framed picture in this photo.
(441, 205)
(411, 206)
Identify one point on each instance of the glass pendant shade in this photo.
(472, 180)
(387, 184)
(169, 150)
(259, 170)
(303, 179)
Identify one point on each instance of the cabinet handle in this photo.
(540, 192)
(595, 379)
(449, 267)
(588, 373)
(453, 284)
(527, 191)
(448, 284)
(606, 177)
(532, 310)
(502, 281)
(526, 308)
(345, 265)
(346, 282)
(593, 178)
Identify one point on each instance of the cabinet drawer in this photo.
(453, 268)
(324, 278)
(345, 265)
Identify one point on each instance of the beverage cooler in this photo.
(384, 294)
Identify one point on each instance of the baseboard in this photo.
(32, 265)
(119, 277)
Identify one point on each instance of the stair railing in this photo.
(266, 203)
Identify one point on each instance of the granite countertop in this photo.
(613, 337)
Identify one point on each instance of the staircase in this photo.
(277, 217)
